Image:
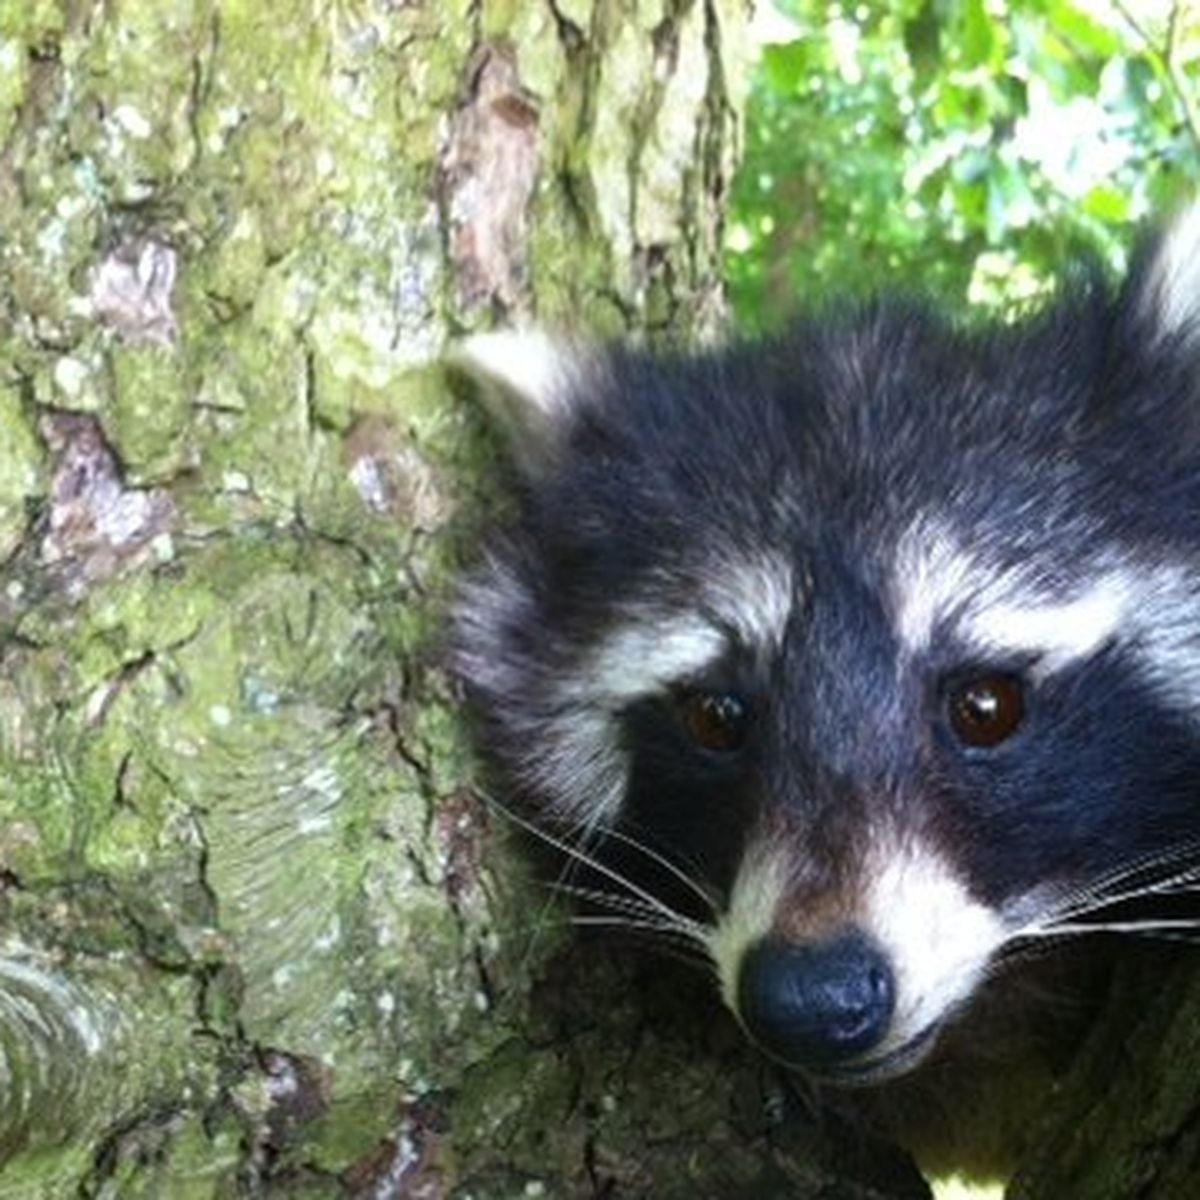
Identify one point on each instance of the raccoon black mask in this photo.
(882, 637)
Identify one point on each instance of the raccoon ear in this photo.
(1166, 285)
(531, 384)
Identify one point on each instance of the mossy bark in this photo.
(258, 936)
(1126, 1121)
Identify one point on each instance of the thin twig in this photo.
(1167, 60)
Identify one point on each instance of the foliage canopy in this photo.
(959, 148)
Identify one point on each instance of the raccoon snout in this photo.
(816, 1005)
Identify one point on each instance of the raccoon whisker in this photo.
(1097, 899)
(1189, 850)
(547, 917)
(1149, 925)
(1044, 932)
(631, 898)
(692, 884)
(611, 900)
(583, 858)
(1098, 892)
(1186, 936)
(544, 919)
(624, 922)
(665, 917)
(575, 844)
(666, 941)
(590, 835)
(1167, 935)
(618, 915)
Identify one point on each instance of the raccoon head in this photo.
(882, 636)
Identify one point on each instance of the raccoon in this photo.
(858, 657)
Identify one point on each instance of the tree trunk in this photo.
(1126, 1123)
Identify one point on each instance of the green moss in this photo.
(43, 1174)
(253, 423)
(668, 153)
(37, 22)
(37, 830)
(232, 273)
(533, 30)
(79, 381)
(22, 473)
(579, 298)
(611, 144)
(352, 1130)
(499, 1092)
(184, 1158)
(139, 73)
(150, 412)
(578, 12)
(24, 27)
(14, 79)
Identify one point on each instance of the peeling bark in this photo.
(94, 525)
(489, 168)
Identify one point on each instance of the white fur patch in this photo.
(575, 758)
(1164, 635)
(938, 583)
(570, 755)
(1151, 610)
(753, 596)
(933, 579)
(529, 364)
(648, 655)
(938, 939)
(531, 383)
(754, 901)
(1173, 283)
(576, 753)
(643, 658)
(1061, 633)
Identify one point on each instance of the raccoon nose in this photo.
(816, 1005)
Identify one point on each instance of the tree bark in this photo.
(1125, 1125)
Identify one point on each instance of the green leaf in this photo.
(922, 39)
(1107, 204)
(1081, 30)
(978, 34)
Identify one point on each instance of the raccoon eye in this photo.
(986, 709)
(715, 720)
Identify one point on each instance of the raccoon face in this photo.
(882, 638)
